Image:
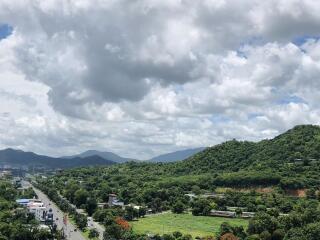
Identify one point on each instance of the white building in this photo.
(113, 201)
(41, 213)
(38, 209)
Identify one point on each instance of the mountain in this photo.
(302, 143)
(176, 156)
(106, 155)
(20, 159)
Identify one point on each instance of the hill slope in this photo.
(176, 156)
(106, 155)
(20, 159)
(300, 143)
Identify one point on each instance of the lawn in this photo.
(185, 223)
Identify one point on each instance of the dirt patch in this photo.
(296, 192)
(245, 190)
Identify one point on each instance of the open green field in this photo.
(184, 223)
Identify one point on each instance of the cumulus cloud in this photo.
(149, 76)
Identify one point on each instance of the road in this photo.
(91, 222)
(99, 227)
(57, 213)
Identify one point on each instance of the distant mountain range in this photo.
(13, 158)
(168, 157)
(106, 155)
(20, 159)
(177, 156)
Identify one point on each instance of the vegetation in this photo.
(17, 223)
(79, 219)
(288, 162)
(196, 226)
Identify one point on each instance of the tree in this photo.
(225, 228)
(178, 207)
(81, 220)
(142, 211)
(168, 237)
(156, 205)
(91, 206)
(262, 222)
(201, 207)
(238, 211)
(177, 234)
(311, 193)
(278, 234)
(253, 237)
(228, 236)
(93, 233)
(265, 235)
(112, 231)
(196, 189)
(130, 213)
(186, 237)
(80, 197)
(117, 229)
(122, 223)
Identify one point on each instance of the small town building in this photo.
(113, 201)
(23, 201)
(40, 214)
(191, 195)
(217, 213)
(247, 214)
(102, 205)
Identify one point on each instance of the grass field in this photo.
(184, 223)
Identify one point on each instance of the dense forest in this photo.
(18, 223)
(288, 162)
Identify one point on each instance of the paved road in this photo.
(57, 213)
(99, 227)
(91, 223)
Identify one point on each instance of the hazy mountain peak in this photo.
(104, 154)
(177, 155)
(19, 159)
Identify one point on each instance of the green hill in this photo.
(290, 161)
(302, 143)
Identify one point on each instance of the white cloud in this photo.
(145, 77)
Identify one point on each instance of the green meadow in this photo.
(185, 223)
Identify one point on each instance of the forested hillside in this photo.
(289, 162)
(19, 159)
(302, 143)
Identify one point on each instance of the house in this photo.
(191, 195)
(5, 173)
(113, 201)
(137, 207)
(37, 207)
(247, 214)
(213, 195)
(23, 201)
(217, 213)
(102, 205)
(40, 214)
(233, 209)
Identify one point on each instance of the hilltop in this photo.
(19, 159)
(177, 155)
(301, 143)
(106, 155)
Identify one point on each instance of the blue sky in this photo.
(302, 39)
(5, 30)
(149, 77)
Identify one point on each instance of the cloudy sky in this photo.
(144, 77)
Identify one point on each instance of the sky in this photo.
(146, 77)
